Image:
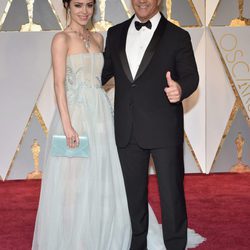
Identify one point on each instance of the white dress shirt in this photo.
(138, 41)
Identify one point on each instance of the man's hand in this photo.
(173, 91)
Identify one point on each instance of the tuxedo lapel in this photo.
(123, 56)
(152, 47)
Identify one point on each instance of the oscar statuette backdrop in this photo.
(217, 126)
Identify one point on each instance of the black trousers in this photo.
(170, 173)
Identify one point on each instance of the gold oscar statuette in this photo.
(169, 13)
(240, 167)
(241, 20)
(30, 26)
(35, 149)
(102, 25)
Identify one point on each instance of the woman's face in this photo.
(81, 11)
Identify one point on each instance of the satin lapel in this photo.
(123, 56)
(152, 47)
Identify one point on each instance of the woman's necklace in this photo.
(84, 37)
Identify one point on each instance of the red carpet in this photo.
(218, 209)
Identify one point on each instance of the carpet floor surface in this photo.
(218, 207)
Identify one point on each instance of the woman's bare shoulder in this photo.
(97, 35)
(61, 37)
(60, 41)
(98, 38)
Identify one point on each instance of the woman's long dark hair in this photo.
(66, 3)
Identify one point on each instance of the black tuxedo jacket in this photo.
(141, 103)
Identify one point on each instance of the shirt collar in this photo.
(154, 20)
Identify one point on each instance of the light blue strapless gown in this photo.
(83, 203)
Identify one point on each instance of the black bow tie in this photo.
(138, 25)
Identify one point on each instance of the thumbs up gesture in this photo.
(173, 90)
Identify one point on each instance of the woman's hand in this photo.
(72, 137)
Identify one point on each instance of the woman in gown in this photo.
(83, 203)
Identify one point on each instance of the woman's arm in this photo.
(59, 50)
(99, 40)
(108, 70)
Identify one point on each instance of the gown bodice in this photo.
(83, 71)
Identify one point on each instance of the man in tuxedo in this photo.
(154, 68)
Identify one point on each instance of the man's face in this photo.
(145, 9)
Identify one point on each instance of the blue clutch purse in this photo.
(60, 148)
